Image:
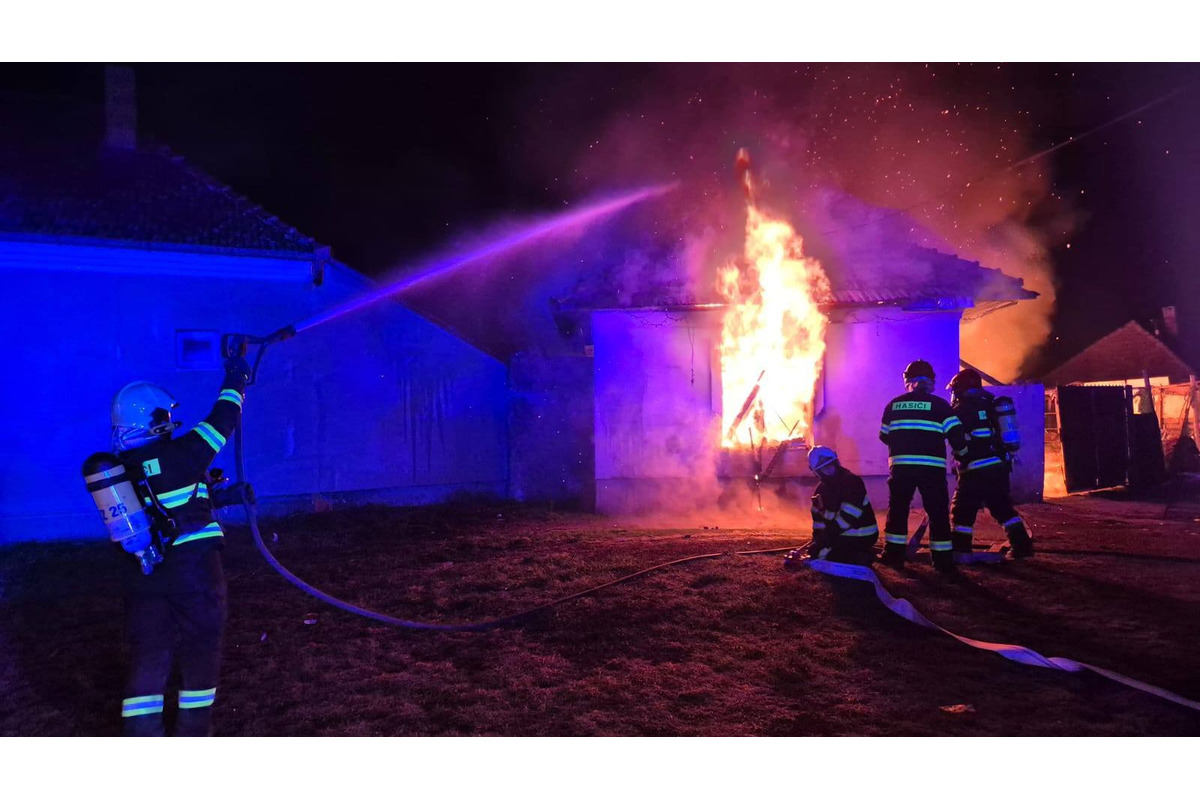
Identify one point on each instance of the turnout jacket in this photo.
(976, 409)
(916, 426)
(177, 468)
(841, 508)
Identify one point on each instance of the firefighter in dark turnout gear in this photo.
(843, 521)
(178, 611)
(983, 472)
(915, 427)
(844, 526)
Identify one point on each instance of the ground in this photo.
(727, 646)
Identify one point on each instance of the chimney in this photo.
(120, 107)
(1169, 321)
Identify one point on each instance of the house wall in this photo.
(1029, 468)
(866, 353)
(377, 405)
(658, 401)
(551, 454)
(656, 408)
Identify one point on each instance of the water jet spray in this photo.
(552, 225)
(238, 344)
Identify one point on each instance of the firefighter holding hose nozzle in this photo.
(915, 427)
(155, 498)
(844, 526)
(983, 472)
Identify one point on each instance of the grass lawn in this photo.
(730, 646)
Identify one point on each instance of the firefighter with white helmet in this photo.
(983, 471)
(843, 521)
(175, 604)
(915, 427)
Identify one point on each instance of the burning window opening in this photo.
(772, 339)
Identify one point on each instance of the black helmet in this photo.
(965, 380)
(919, 369)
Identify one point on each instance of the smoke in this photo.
(866, 160)
(870, 163)
(1002, 342)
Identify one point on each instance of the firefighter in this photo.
(915, 428)
(983, 473)
(177, 612)
(844, 526)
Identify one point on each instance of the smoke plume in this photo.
(865, 159)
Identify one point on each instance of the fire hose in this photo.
(238, 343)
(1013, 652)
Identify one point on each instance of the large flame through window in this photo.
(773, 336)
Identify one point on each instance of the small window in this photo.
(197, 349)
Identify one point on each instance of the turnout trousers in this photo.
(903, 483)
(987, 488)
(846, 549)
(177, 612)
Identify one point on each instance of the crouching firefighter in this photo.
(154, 496)
(844, 526)
(983, 473)
(915, 427)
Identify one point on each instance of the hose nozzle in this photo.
(235, 344)
(281, 334)
(238, 344)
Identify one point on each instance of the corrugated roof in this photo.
(918, 276)
(136, 196)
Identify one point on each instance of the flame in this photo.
(773, 335)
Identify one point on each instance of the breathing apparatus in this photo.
(128, 522)
(968, 381)
(141, 413)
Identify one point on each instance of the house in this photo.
(657, 379)
(122, 263)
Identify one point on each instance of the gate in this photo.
(1095, 436)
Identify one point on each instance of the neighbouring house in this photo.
(1114, 409)
(122, 263)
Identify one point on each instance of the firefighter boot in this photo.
(1022, 549)
(943, 561)
(147, 725)
(962, 537)
(894, 555)
(194, 722)
(1018, 537)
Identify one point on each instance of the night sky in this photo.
(387, 163)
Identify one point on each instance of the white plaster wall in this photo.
(654, 393)
(658, 402)
(381, 400)
(866, 353)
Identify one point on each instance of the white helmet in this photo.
(140, 412)
(820, 457)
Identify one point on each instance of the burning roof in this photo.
(933, 280)
(872, 256)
